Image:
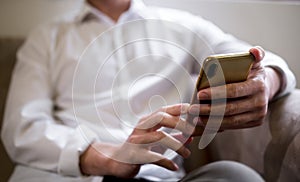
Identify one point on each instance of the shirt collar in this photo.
(137, 10)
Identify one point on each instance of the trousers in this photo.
(218, 171)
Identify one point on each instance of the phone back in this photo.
(223, 69)
(220, 70)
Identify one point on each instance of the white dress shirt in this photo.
(87, 78)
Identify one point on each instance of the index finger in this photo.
(177, 109)
(232, 90)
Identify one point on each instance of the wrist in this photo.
(95, 162)
(273, 81)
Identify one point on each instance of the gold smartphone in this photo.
(218, 70)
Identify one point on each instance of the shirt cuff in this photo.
(288, 80)
(69, 159)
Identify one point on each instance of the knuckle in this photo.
(230, 109)
(133, 139)
(260, 102)
(235, 121)
(232, 91)
(260, 85)
(162, 109)
(160, 117)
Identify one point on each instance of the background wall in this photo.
(18, 17)
(273, 25)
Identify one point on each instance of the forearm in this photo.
(101, 159)
(95, 161)
(44, 144)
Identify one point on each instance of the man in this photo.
(78, 103)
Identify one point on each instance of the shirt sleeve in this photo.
(31, 134)
(287, 76)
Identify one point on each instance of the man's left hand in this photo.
(247, 101)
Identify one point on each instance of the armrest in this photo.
(282, 155)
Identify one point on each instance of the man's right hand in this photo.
(141, 146)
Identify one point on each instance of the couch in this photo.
(272, 149)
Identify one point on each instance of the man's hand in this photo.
(247, 102)
(142, 146)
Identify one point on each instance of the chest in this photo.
(124, 60)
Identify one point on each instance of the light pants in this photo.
(218, 171)
(223, 171)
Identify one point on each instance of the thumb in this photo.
(258, 52)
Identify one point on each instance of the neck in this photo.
(112, 8)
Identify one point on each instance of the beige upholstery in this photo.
(272, 149)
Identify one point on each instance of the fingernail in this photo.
(186, 153)
(194, 109)
(202, 95)
(261, 52)
(185, 107)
